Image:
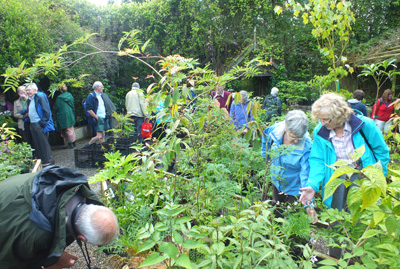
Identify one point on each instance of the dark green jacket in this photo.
(64, 110)
(32, 210)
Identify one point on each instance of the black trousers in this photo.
(284, 200)
(41, 143)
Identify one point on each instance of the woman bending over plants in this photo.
(289, 170)
(336, 137)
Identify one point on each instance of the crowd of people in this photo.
(297, 175)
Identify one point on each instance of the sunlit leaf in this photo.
(331, 187)
(152, 259)
(370, 193)
(358, 153)
(169, 248)
(183, 260)
(370, 233)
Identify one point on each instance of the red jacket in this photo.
(382, 111)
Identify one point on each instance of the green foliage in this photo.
(14, 157)
(369, 232)
(380, 72)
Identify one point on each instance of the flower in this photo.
(313, 258)
(313, 241)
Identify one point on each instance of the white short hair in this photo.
(32, 85)
(274, 90)
(245, 97)
(296, 122)
(97, 84)
(98, 224)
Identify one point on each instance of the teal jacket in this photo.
(323, 153)
(290, 171)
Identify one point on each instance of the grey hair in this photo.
(274, 90)
(135, 85)
(98, 224)
(32, 85)
(97, 84)
(245, 97)
(296, 122)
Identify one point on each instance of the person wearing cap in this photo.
(289, 170)
(272, 104)
(136, 107)
(42, 213)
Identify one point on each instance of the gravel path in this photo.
(65, 157)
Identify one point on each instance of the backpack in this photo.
(84, 106)
(146, 129)
(375, 108)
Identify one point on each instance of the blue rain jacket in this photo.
(290, 171)
(239, 115)
(323, 153)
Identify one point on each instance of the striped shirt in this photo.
(344, 147)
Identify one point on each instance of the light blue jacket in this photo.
(290, 171)
(240, 116)
(323, 153)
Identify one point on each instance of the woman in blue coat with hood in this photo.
(290, 169)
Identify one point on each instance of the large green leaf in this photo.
(177, 237)
(331, 187)
(370, 233)
(376, 176)
(391, 224)
(167, 101)
(370, 193)
(358, 153)
(184, 261)
(191, 244)
(353, 195)
(202, 122)
(175, 95)
(342, 171)
(146, 246)
(152, 259)
(394, 186)
(389, 247)
(378, 217)
(339, 163)
(218, 248)
(169, 248)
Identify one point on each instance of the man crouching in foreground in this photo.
(42, 213)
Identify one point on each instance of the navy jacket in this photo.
(43, 109)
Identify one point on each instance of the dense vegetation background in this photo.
(214, 32)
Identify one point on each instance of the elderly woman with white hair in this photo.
(336, 137)
(241, 113)
(290, 169)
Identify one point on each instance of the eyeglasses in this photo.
(292, 138)
(325, 121)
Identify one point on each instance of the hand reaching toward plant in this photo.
(66, 260)
(312, 214)
(307, 195)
